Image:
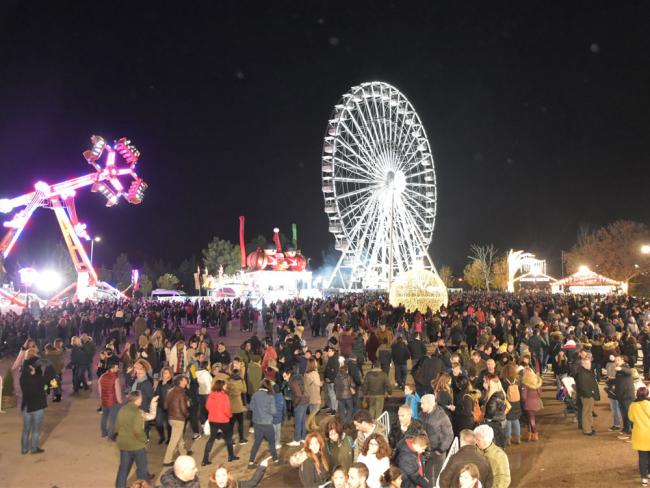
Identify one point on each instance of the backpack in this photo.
(512, 393)
(477, 412)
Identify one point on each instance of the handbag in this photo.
(206, 428)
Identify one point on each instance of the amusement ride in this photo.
(110, 178)
(379, 186)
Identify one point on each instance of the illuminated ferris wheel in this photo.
(379, 185)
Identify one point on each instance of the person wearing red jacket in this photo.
(219, 414)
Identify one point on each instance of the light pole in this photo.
(92, 247)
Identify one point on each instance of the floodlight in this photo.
(48, 280)
(645, 249)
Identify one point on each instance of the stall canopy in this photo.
(588, 282)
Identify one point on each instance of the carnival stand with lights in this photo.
(273, 273)
(587, 282)
(108, 179)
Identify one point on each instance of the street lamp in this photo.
(645, 249)
(92, 247)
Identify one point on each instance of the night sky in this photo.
(538, 115)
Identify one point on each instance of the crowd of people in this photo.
(472, 371)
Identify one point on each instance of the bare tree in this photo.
(484, 255)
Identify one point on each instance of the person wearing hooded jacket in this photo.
(410, 462)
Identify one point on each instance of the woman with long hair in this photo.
(313, 386)
(219, 414)
(510, 383)
(444, 394)
(495, 407)
(375, 454)
(314, 470)
(639, 415)
(392, 478)
(532, 400)
(222, 478)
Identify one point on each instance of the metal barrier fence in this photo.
(384, 420)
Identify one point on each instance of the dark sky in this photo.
(538, 115)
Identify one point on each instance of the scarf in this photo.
(137, 382)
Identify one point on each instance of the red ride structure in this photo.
(272, 257)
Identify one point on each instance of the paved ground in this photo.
(76, 456)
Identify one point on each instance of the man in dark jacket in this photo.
(468, 453)
(33, 383)
(587, 393)
(410, 462)
(439, 430)
(182, 475)
(405, 428)
(400, 355)
(331, 370)
(428, 370)
(384, 354)
(625, 393)
(417, 349)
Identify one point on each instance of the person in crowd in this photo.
(384, 355)
(444, 394)
(110, 397)
(204, 382)
(131, 440)
(365, 425)
(469, 477)
(391, 478)
(376, 387)
(279, 416)
(263, 409)
(300, 402)
(339, 478)
(495, 407)
(587, 392)
(405, 428)
(338, 445)
(222, 478)
(465, 398)
(80, 361)
(510, 384)
(440, 433)
(531, 396)
(400, 355)
(469, 453)
(357, 476)
(219, 415)
(624, 390)
(177, 413)
(314, 470)
(412, 399)
(184, 474)
(610, 390)
(236, 391)
(313, 386)
(639, 416)
(375, 454)
(331, 371)
(33, 384)
(410, 462)
(495, 455)
(162, 419)
(344, 390)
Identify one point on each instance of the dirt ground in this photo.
(76, 456)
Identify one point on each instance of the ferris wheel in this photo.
(379, 186)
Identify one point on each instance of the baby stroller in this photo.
(566, 393)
